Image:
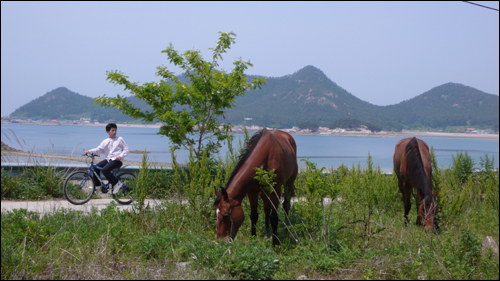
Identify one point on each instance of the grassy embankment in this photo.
(361, 234)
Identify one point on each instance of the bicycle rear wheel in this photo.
(124, 196)
(79, 188)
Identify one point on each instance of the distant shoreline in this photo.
(239, 129)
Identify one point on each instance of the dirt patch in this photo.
(8, 148)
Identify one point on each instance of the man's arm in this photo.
(125, 150)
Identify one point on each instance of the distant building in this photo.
(248, 119)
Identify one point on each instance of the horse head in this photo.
(427, 212)
(229, 214)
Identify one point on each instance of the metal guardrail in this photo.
(14, 169)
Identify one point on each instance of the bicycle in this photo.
(79, 186)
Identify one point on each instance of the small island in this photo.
(139, 151)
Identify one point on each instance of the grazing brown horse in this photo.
(412, 165)
(269, 149)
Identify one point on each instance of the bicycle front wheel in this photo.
(79, 188)
(124, 195)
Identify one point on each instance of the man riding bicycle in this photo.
(116, 150)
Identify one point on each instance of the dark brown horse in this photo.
(269, 149)
(412, 165)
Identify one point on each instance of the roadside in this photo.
(54, 205)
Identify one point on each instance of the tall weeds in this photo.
(345, 223)
(35, 180)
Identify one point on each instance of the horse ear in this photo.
(216, 191)
(224, 194)
(435, 193)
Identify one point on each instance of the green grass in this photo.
(360, 235)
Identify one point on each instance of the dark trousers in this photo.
(107, 167)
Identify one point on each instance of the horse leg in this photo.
(274, 224)
(274, 216)
(254, 215)
(267, 212)
(406, 199)
(417, 201)
(289, 192)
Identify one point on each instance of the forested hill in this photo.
(450, 104)
(307, 95)
(62, 103)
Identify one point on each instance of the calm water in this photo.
(326, 151)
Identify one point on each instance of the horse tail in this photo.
(416, 167)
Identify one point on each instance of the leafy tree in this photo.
(311, 125)
(373, 127)
(345, 123)
(351, 123)
(188, 109)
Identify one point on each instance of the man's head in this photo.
(111, 130)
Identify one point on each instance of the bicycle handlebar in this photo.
(91, 155)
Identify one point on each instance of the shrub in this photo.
(252, 261)
(470, 247)
(463, 166)
(313, 126)
(32, 183)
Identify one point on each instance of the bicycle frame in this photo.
(85, 178)
(92, 171)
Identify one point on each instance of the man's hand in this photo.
(118, 158)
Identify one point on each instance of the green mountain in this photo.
(307, 96)
(62, 104)
(450, 104)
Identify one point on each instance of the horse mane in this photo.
(252, 142)
(416, 168)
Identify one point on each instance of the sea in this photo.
(325, 151)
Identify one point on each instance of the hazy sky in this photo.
(381, 52)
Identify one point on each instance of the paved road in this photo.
(49, 206)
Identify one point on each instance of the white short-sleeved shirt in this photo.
(112, 147)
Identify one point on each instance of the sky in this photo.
(381, 52)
